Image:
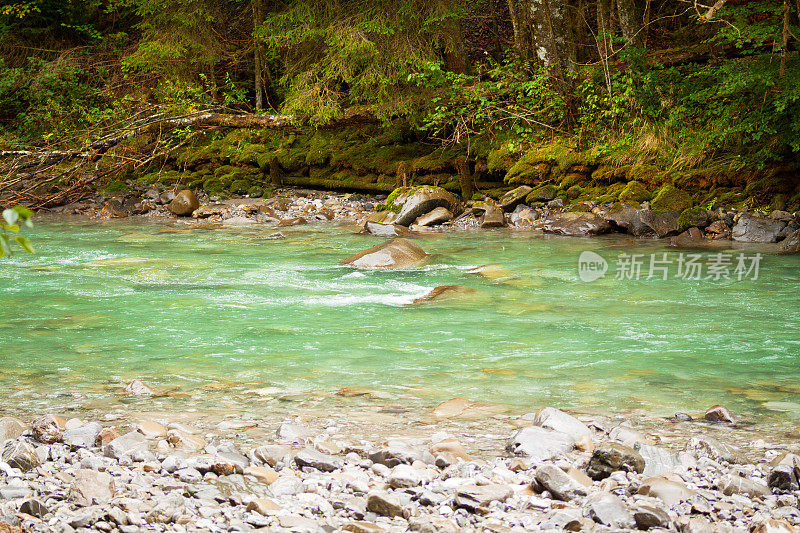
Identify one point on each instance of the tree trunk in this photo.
(274, 171)
(785, 41)
(552, 37)
(464, 178)
(628, 22)
(258, 18)
(455, 54)
(512, 11)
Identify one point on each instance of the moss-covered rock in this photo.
(255, 192)
(694, 216)
(635, 193)
(213, 186)
(611, 193)
(668, 198)
(116, 186)
(574, 192)
(240, 186)
(545, 193)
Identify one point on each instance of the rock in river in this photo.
(437, 216)
(445, 292)
(184, 204)
(576, 224)
(422, 200)
(751, 228)
(397, 253)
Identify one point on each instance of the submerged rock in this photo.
(385, 230)
(397, 253)
(719, 413)
(445, 292)
(184, 204)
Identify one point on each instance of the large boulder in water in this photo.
(184, 204)
(576, 224)
(751, 228)
(419, 201)
(791, 245)
(397, 253)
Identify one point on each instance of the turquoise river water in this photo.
(183, 308)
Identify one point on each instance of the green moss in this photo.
(213, 186)
(574, 191)
(668, 198)
(635, 193)
(693, 216)
(240, 186)
(503, 158)
(579, 207)
(116, 186)
(545, 193)
(612, 193)
(255, 192)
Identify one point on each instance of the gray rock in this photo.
(184, 204)
(315, 459)
(791, 244)
(270, 454)
(576, 224)
(404, 476)
(10, 428)
(397, 253)
(91, 488)
(423, 200)
(493, 217)
(657, 460)
(552, 418)
(609, 510)
(719, 413)
(473, 497)
(125, 445)
(46, 429)
(384, 504)
(189, 475)
(385, 230)
(437, 216)
(20, 454)
(287, 485)
(83, 436)
(647, 223)
(396, 453)
(731, 484)
(33, 507)
(560, 484)
(647, 517)
(785, 474)
(714, 449)
(610, 457)
(539, 443)
(620, 215)
(670, 492)
(751, 228)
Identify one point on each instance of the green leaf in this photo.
(25, 243)
(23, 212)
(10, 216)
(5, 248)
(10, 227)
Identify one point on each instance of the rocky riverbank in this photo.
(671, 215)
(460, 467)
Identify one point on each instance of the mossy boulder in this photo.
(694, 216)
(668, 198)
(240, 186)
(213, 186)
(545, 193)
(255, 192)
(513, 197)
(612, 193)
(116, 186)
(574, 191)
(635, 193)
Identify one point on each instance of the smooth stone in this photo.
(493, 217)
(265, 474)
(539, 443)
(11, 428)
(610, 457)
(84, 436)
(404, 476)
(286, 485)
(137, 388)
(394, 254)
(397, 452)
(423, 200)
(384, 504)
(294, 434)
(184, 204)
(657, 460)
(91, 487)
(719, 413)
(451, 446)
(315, 459)
(557, 420)
(647, 517)
(576, 224)
(785, 473)
(560, 484)
(386, 230)
(670, 492)
(270, 454)
(362, 527)
(443, 293)
(263, 506)
(151, 429)
(34, 508)
(731, 484)
(435, 217)
(514, 197)
(714, 449)
(474, 497)
(20, 454)
(125, 445)
(607, 509)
